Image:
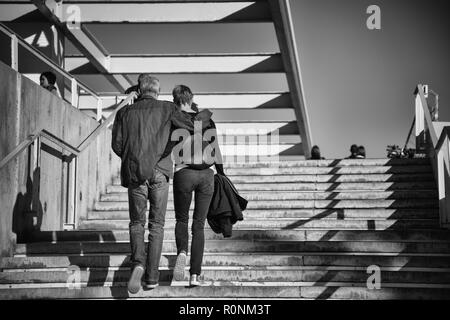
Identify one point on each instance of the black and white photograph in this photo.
(220, 158)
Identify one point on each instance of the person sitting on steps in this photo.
(315, 154)
(361, 153)
(353, 151)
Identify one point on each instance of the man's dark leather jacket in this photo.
(140, 135)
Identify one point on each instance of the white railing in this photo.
(437, 148)
(443, 165)
(76, 85)
(426, 138)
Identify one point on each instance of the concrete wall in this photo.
(26, 108)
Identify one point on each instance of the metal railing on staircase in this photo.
(76, 84)
(437, 148)
(433, 109)
(70, 158)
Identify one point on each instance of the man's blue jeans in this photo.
(156, 190)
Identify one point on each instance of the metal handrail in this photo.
(129, 99)
(45, 59)
(436, 99)
(31, 138)
(445, 133)
(428, 120)
(63, 144)
(421, 92)
(442, 152)
(437, 149)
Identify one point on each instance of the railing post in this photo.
(436, 116)
(446, 183)
(420, 125)
(99, 109)
(14, 52)
(36, 147)
(74, 93)
(69, 223)
(441, 186)
(35, 176)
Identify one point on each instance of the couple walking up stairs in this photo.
(326, 229)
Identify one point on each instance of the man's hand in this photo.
(134, 94)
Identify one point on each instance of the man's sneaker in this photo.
(134, 284)
(195, 280)
(151, 285)
(178, 272)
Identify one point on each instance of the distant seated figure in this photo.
(353, 151)
(315, 153)
(47, 80)
(361, 153)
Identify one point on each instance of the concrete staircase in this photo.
(311, 231)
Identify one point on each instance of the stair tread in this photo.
(227, 291)
(323, 221)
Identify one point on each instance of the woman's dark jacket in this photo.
(226, 206)
(207, 126)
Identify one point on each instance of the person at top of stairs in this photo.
(47, 80)
(193, 173)
(315, 154)
(140, 135)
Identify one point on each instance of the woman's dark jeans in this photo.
(185, 182)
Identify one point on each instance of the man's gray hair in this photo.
(148, 84)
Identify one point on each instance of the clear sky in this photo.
(358, 83)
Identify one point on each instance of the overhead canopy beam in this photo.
(149, 1)
(255, 63)
(214, 100)
(184, 12)
(282, 19)
(86, 44)
(173, 12)
(15, 12)
(246, 115)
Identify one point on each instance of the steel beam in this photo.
(134, 64)
(284, 28)
(173, 12)
(85, 43)
(211, 100)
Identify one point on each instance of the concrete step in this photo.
(333, 163)
(296, 224)
(304, 204)
(397, 261)
(373, 186)
(225, 245)
(233, 139)
(233, 290)
(377, 214)
(241, 274)
(327, 178)
(328, 170)
(310, 195)
(254, 235)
